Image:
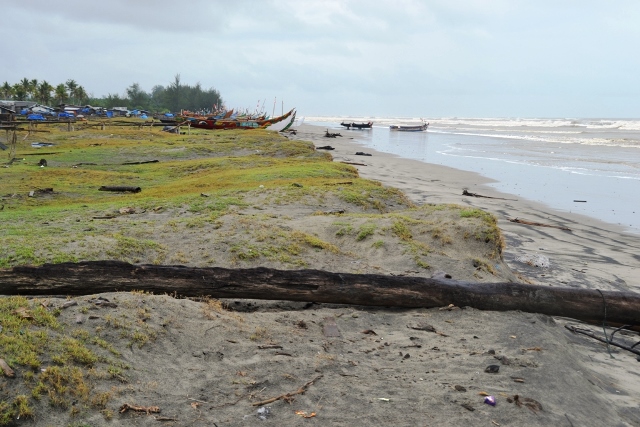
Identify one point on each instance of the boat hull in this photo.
(418, 128)
(212, 123)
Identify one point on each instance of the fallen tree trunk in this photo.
(120, 188)
(88, 278)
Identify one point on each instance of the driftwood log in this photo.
(120, 188)
(86, 278)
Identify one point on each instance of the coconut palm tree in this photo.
(6, 90)
(61, 93)
(19, 92)
(25, 83)
(73, 87)
(81, 94)
(44, 92)
(33, 88)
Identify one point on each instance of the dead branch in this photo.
(288, 397)
(120, 188)
(148, 409)
(141, 163)
(577, 330)
(354, 163)
(539, 224)
(466, 193)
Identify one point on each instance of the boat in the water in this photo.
(415, 128)
(354, 125)
(226, 122)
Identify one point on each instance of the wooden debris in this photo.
(421, 326)
(354, 163)
(539, 224)
(148, 409)
(94, 277)
(141, 163)
(328, 134)
(120, 188)
(7, 369)
(288, 397)
(23, 312)
(269, 346)
(69, 304)
(466, 193)
(606, 340)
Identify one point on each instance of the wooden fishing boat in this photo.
(225, 123)
(354, 125)
(283, 125)
(416, 128)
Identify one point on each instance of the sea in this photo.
(585, 166)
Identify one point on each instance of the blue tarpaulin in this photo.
(35, 117)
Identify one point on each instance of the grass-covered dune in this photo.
(228, 198)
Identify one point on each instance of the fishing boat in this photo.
(354, 125)
(227, 123)
(283, 125)
(415, 128)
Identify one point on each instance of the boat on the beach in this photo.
(283, 125)
(415, 128)
(226, 122)
(354, 125)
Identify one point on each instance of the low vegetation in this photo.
(229, 198)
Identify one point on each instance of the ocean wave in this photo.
(493, 122)
(611, 142)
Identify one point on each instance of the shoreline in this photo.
(593, 254)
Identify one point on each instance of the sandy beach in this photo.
(205, 362)
(592, 254)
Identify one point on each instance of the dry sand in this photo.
(209, 365)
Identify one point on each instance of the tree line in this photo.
(173, 97)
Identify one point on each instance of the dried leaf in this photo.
(369, 331)
(483, 393)
(195, 405)
(303, 414)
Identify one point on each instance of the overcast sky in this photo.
(399, 58)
